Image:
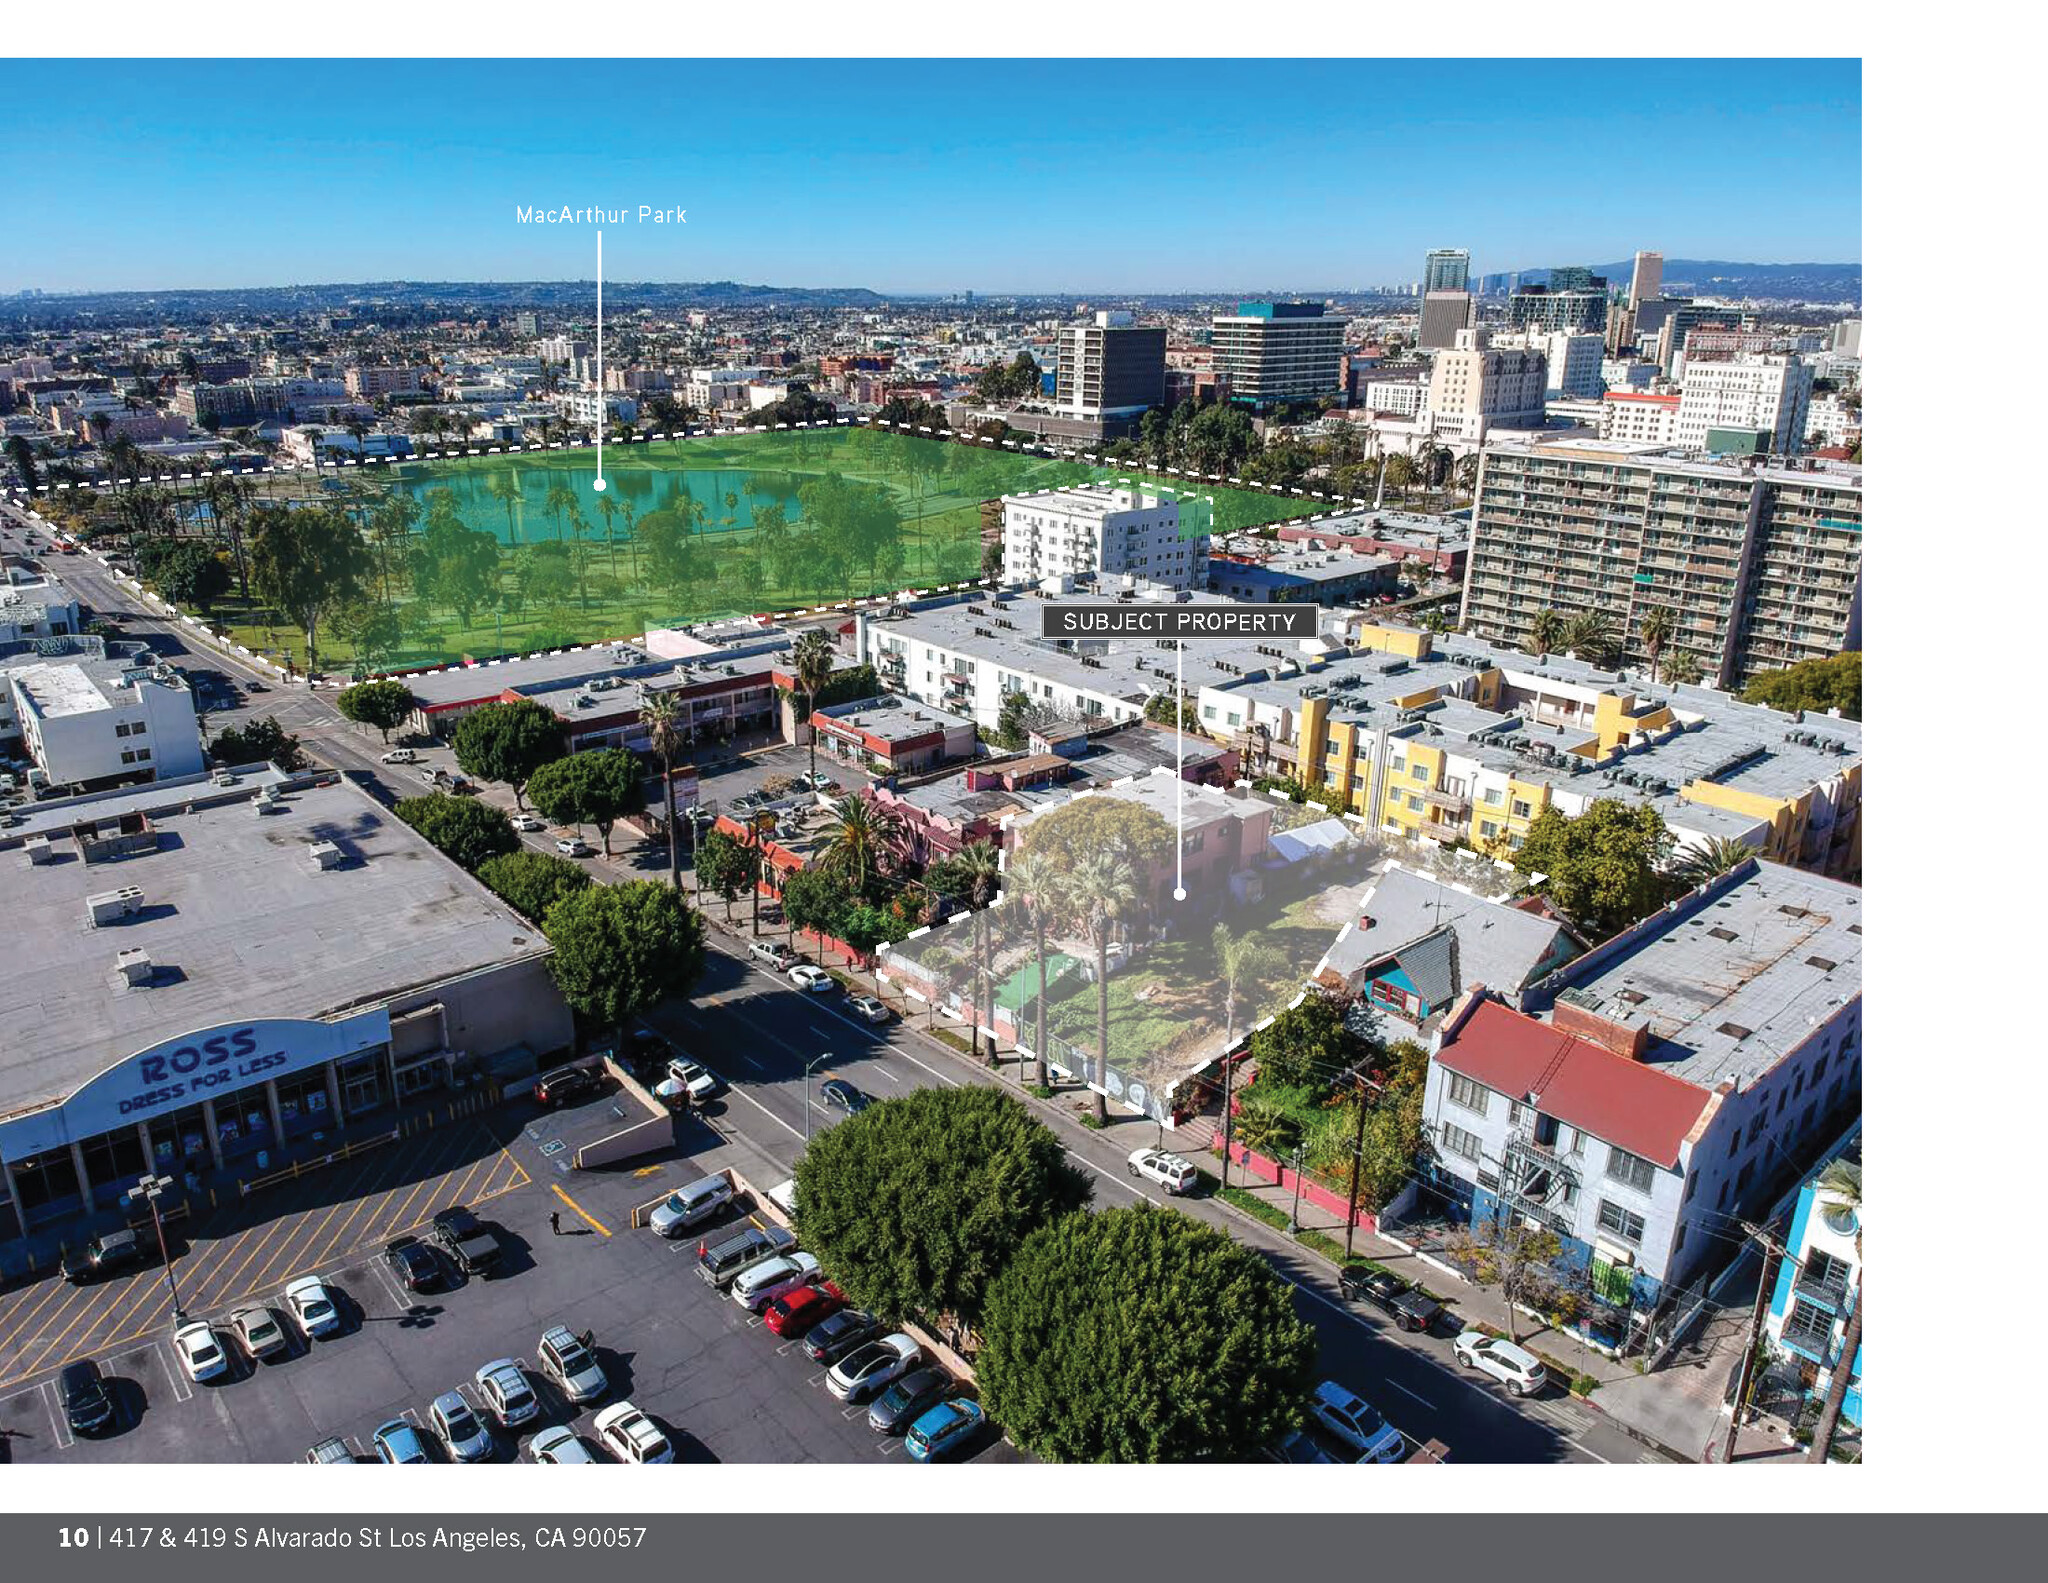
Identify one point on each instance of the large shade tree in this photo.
(595, 787)
(507, 742)
(620, 949)
(308, 561)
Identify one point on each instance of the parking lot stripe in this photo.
(275, 1234)
(451, 1143)
(180, 1386)
(57, 1288)
(590, 1220)
(462, 1192)
(58, 1420)
(30, 1365)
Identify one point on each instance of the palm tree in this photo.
(1842, 1182)
(1241, 960)
(983, 869)
(1546, 632)
(1589, 636)
(863, 832)
(1102, 890)
(504, 488)
(1682, 669)
(560, 502)
(1695, 865)
(1654, 631)
(608, 508)
(813, 668)
(1036, 884)
(661, 714)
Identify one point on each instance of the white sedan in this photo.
(199, 1351)
(631, 1436)
(573, 846)
(869, 1007)
(313, 1306)
(261, 1335)
(813, 979)
(559, 1447)
(526, 821)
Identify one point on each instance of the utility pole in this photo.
(1357, 1158)
(1227, 1064)
(1773, 1250)
(1294, 1214)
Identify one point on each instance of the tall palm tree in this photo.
(813, 668)
(1695, 865)
(1842, 1182)
(1654, 632)
(1035, 882)
(560, 502)
(1546, 632)
(863, 832)
(1590, 636)
(504, 488)
(608, 508)
(1682, 669)
(1102, 889)
(661, 714)
(1241, 960)
(983, 867)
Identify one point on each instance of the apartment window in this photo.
(1691, 1183)
(1420, 772)
(1809, 1326)
(1488, 828)
(1473, 1096)
(1520, 809)
(142, 755)
(1631, 1170)
(1457, 1140)
(1492, 796)
(1826, 1276)
(1622, 1223)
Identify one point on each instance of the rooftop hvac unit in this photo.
(226, 778)
(325, 854)
(110, 905)
(39, 850)
(135, 967)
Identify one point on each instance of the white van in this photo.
(783, 1196)
(768, 1280)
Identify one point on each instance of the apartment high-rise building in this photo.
(1577, 277)
(1647, 279)
(1757, 565)
(1476, 387)
(1849, 338)
(1549, 308)
(1446, 269)
(1444, 314)
(1761, 392)
(528, 325)
(1573, 358)
(1095, 528)
(1110, 367)
(1680, 322)
(1279, 351)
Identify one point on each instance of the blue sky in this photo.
(920, 176)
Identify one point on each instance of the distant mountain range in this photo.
(1716, 277)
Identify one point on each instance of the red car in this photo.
(794, 1312)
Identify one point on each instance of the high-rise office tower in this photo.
(1110, 367)
(1279, 351)
(1444, 314)
(1648, 279)
(1446, 269)
(1576, 277)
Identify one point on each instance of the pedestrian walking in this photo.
(555, 1221)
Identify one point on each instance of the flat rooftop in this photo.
(895, 718)
(544, 677)
(238, 922)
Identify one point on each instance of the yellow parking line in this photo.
(86, 1311)
(430, 1176)
(590, 1220)
(58, 1287)
(462, 1192)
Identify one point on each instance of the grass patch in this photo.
(1253, 1205)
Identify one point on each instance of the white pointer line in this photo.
(599, 484)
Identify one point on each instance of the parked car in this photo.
(769, 1279)
(312, 1306)
(1410, 1309)
(432, 777)
(1356, 1423)
(783, 1196)
(88, 1404)
(330, 1452)
(909, 1399)
(260, 1333)
(567, 1359)
(773, 952)
(526, 822)
(199, 1351)
(793, 1312)
(1298, 1446)
(838, 1334)
(721, 1260)
(559, 1447)
(1514, 1367)
(399, 756)
(942, 1430)
(631, 1436)
(871, 1368)
(413, 1262)
(573, 846)
(463, 1238)
(567, 1084)
(1170, 1171)
(869, 1008)
(690, 1205)
(507, 1393)
(101, 1257)
(468, 1436)
(258, 687)
(699, 1082)
(812, 980)
(398, 1441)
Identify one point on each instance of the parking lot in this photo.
(712, 1376)
(721, 778)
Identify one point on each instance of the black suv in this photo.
(413, 1262)
(88, 1404)
(463, 1238)
(1410, 1309)
(838, 1334)
(565, 1085)
(116, 1251)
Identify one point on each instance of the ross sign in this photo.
(1189, 623)
(211, 1063)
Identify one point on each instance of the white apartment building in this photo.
(36, 607)
(1403, 397)
(1833, 419)
(92, 723)
(595, 406)
(1627, 373)
(1572, 359)
(1475, 387)
(1639, 415)
(1762, 391)
(1098, 528)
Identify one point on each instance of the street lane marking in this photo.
(589, 1219)
(1396, 1385)
(764, 1110)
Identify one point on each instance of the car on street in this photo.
(1298, 1446)
(908, 1400)
(690, 1205)
(432, 777)
(399, 756)
(465, 1240)
(88, 1404)
(526, 822)
(398, 1441)
(468, 1437)
(944, 1429)
(413, 1262)
(812, 980)
(1356, 1423)
(573, 846)
(567, 1359)
(773, 952)
(1170, 1171)
(699, 1082)
(1516, 1368)
(838, 1334)
(507, 1393)
(631, 1436)
(313, 1308)
(873, 1367)
(259, 1332)
(102, 1256)
(794, 1312)
(842, 1095)
(567, 1084)
(463, 786)
(869, 1008)
(769, 1279)
(1411, 1310)
(257, 687)
(199, 1351)
(559, 1446)
(331, 1452)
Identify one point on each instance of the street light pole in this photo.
(809, 1068)
(152, 1188)
(1294, 1215)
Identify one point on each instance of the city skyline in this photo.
(322, 200)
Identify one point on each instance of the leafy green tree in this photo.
(1093, 824)
(384, 704)
(307, 561)
(1011, 720)
(1818, 685)
(1160, 710)
(190, 574)
(620, 949)
(507, 742)
(261, 741)
(594, 787)
(866, 927)
(468, 831)
(530, 883)
(1695, 865)
(917, 1204)
(1141, 1335)
(817, 898)
(728, 866)
(1604, 868)
(1310, 1044)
